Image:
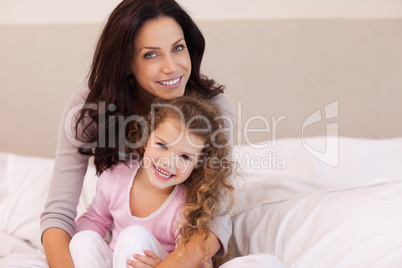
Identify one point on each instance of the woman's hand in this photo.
(149, 260)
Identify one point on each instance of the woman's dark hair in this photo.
(110, 84)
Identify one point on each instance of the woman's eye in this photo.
(179, 48)
(185, 157)
(150, 55)
(161, 145)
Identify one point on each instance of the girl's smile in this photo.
(170, 155)
(163, 174)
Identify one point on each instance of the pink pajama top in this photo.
(111, 205)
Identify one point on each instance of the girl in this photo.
(147, 49)
(170, 190)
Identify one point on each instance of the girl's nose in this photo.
(167, 161)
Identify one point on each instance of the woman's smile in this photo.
(161, 64)
(171, 83)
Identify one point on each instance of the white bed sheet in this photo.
(357, 227)
(307, 214)
(313, 215)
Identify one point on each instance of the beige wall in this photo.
(95, 11)
(275, 68)
(293, 68)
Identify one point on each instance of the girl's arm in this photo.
(56, 244)
(193, 253)
(98, 217)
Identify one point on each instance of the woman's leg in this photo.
(88, 249)
(134, 240)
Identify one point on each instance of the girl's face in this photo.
(161, 63)
(170, 155)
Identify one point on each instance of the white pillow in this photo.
(358, 227)
(24, 185)
(361, 161)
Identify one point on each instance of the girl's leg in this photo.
(134, 240)
(23, 261)
(88, 249)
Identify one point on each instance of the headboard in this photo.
(291, 77)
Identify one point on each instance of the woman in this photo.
(148, 49)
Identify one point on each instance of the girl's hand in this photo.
(149, 260)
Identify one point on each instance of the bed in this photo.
(319, 135)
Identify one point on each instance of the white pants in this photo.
(88, 249)
(262, 260)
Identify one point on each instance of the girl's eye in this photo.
(150, 55)
(179, 48)
(163, 146)
(185, 157)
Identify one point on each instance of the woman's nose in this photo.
(169, 65)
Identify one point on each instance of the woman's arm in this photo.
(223, 222)
(228, 116)
(56, 241)
(193, 253)
(58, 218)
(56, 245)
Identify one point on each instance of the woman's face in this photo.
(161, 63)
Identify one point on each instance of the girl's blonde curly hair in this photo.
(208, 187)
